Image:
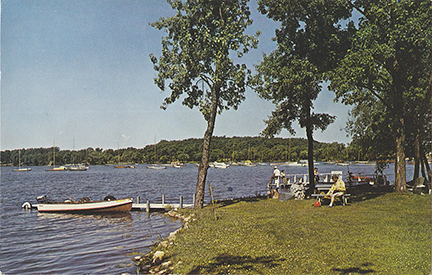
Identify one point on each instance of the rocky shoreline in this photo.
(156, 261)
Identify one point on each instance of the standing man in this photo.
(276, 176)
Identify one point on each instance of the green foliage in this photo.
(385, 74)
(257, 149)
(389, 234)
(196, 53)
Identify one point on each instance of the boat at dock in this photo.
(85, 205)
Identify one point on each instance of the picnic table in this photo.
(322, 189)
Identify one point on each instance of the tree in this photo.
(196, 61)
(388, 62)
(309, 43)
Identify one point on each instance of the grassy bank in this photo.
(389, 234)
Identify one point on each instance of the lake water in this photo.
(46, 243)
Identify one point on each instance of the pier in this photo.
(148, 206)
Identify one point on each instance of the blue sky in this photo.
(78, 72)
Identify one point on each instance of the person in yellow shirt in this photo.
(337, 189)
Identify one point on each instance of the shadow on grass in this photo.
(227, 202)
(367, 192)
(225, 264)
(355, 270)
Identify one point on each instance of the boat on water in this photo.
(85, 205)
(156, 167)
(177, 164)
(125, 166)
(61, 168)
(249, 163)
(219, 165)
(77, 167)
(19, 169)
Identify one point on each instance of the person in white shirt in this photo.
(276, 176)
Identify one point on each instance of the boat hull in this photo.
(156, 167)
(123, 205)
(21, 170)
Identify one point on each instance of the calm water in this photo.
(33, 242)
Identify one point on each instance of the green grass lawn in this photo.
(388, 234)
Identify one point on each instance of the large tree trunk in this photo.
(400, 167)
(204, 164)
(310, 161)
(309, 136)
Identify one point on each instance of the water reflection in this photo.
(111, 217)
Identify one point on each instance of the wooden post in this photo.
(163, 199)
(181, 202)
(193, 198)
(138, 199)
(148, 206)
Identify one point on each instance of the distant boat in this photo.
(124, 166)
(220, 165)
(77, 167)
(177, 164)
(156, 167)
(61, 168)
(249, 163)
(19, 169)
(85, 206)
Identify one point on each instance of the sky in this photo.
(78, 73)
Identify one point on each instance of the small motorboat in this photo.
(156, 167)
(77, 167)
(124, 166)
(85, 205)
(21, 169)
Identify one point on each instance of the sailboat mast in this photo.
(19, 158)
(53, 153)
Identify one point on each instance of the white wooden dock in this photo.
(158, 206)
(148, 206)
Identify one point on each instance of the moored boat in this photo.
(85, 205)
(77, 167)
(125, 166)
(220, 165)
(21, 169)
(156, 167)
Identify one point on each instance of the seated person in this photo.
(337, 189)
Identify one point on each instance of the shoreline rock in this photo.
(154, 261)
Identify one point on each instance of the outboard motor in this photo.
(42, 199)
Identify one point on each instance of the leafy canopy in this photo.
(197, 53)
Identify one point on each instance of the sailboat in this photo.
(61, 168)
(76, 167)
(154, 166)
(122, 165)
(19, 164)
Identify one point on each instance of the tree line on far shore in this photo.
(226, 149)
